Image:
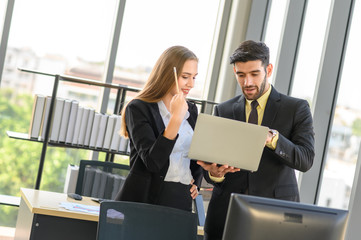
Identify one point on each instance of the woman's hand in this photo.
(194, 190)
(178, 106)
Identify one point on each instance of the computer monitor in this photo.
(256, 218)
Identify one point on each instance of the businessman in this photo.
(289, 144)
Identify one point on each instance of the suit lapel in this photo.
(192, 115)
(191, 121)
(272, 107)
(157, 117)
(239, 112)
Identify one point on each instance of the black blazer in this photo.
(275, 177)
(150, 151)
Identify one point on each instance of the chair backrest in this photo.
(139, 221)
(100, 179)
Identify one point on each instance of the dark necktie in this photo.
(253, 116)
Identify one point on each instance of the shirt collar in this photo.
(164, 111)
(262, 100)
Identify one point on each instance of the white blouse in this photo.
(179, 163)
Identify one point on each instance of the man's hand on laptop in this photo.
(217, 170)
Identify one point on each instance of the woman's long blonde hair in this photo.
(161, 79)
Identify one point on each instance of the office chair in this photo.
(139, 221)
(100, 179)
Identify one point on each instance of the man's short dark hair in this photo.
(250, 51)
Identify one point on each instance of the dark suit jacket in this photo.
(275, 177)
(149, 152)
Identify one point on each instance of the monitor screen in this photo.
(256, 218)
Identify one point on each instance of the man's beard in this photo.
(260, 90)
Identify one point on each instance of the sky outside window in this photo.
(2, 14)
(274, 31)
(310, 50)
(150, 27)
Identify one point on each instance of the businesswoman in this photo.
(159, 122)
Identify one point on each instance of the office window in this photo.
(147, 33)
(59, 37)
(345, 137)
(309, 53)
(274, 30)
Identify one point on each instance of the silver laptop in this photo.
(225, 141)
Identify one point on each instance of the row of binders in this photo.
(100, 184)
(76, 125)
(96, 183)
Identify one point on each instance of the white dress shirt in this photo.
(179, 163)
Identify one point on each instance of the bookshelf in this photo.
(122, 91)
(25, 136)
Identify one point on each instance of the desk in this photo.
(40, 217)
